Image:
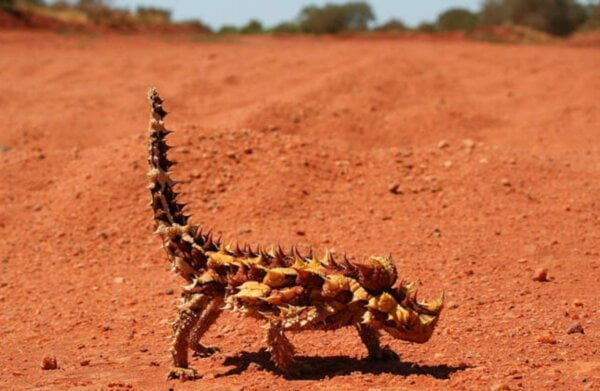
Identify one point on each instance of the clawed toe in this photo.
(183, 374)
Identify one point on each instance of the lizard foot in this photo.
(183, 374)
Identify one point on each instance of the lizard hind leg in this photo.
(282, 351)
(208, 317)
(370, 338)
(189, 316)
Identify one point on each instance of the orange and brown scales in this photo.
(288, 290)
(306, 293)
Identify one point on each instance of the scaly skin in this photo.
(290, 291)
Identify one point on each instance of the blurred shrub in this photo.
(228, 29)
(558, 17)
(20, 5)
(7, 5)
(426, 27)
(153, 15)
(252, 27)
(336, 18)
(593, 17)
(391, 26)
(286, 28)
(100, 12)
(457, 19)
(196, 24)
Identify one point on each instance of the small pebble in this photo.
(84, 363)
(505, 182)
(395, 189)
(575, 328)
(546, 338)
(578, 303)
(119, 280)
(469, 144)
(443, 144)
(541, 275)
(500, 387)
(49, 363)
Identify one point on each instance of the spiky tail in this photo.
(167, 211)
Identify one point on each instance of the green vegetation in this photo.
(153, 15)
(593, 18)
(336, 18)
(75, 14)
(392, 26)
(286, 28)
(7, 4)
(228, 29)
(254, 26)
(457, 19)
(557, 17)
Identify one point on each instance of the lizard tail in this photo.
(168, 212)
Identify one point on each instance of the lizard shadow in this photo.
(331, 366)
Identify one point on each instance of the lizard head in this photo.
(399, 314)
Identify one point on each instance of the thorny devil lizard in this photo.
(290, 291)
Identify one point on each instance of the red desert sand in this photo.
(474, 164)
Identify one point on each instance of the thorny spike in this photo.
(296, 254)
(262, 252)
(346, 264)
(209, 239)
(238, 251)
(279, 252)
(310, 253)
(248, 251)
(290, 291)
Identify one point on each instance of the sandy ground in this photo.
(493, 152)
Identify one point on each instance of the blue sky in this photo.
(238, 12)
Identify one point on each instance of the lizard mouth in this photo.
(420, 331)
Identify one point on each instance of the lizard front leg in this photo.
(189, 315)
(208, 317)
(370, 338)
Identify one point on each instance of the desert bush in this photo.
(254, 26)
(153, 15)
(392, 25)
(592, 18)
(7, 5)
(286, 28)
(336, 18)
(101, 13)
(456, 19)
(21, 5)
(426, 27)
(558, 17)
(228, 29)
(196, 24)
